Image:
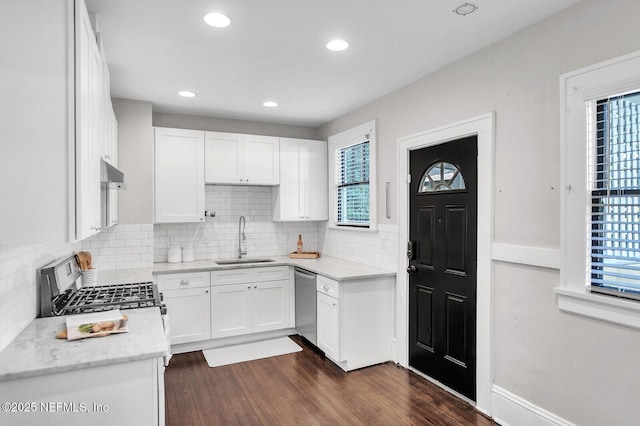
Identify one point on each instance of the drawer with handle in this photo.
(328, 286)
(249, 275)
(183, 280)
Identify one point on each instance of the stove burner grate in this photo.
(107, 297)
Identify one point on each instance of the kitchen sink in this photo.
(242, 261)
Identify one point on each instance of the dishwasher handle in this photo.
(304, 274)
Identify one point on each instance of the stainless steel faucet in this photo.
(241, 237)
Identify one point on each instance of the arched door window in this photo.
(441, 176)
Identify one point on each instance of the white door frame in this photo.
(482, 126)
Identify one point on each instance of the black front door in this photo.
(442, 266)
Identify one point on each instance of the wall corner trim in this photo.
(512, 410)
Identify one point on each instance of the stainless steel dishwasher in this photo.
(306, 304)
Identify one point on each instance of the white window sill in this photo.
(601, 307)
(352, 228)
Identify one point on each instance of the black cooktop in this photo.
(107, 297)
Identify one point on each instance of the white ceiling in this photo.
(275, 50)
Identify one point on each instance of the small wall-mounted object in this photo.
(209, 213)
(387, 198)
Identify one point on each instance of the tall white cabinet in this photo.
(96, 128)
(89, 92)
(238, 159)
(109, 146)
(178, 175)
(303, 191)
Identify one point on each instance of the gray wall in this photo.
(574, 367)
(135, 160)
(232, 126)
(34, 133)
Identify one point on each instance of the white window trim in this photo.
(345, 138)
(599, 81)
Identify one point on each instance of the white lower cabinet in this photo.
(230, 310)
(225, 303)
(270, 305)
(328, 314)
(252, 300)
(355, 320)
(129, 393)
(188, 305)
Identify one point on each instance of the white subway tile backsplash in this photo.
(122, 247)
(218, 237)
(19, 268)
(371, 248)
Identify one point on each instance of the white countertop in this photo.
(36, 351)
(330, 267)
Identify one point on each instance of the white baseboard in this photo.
(511, 410)
(394, 350)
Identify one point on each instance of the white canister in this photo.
(174, 255)
(187, 253)
(89, 277)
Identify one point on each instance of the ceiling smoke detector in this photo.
(465, 9)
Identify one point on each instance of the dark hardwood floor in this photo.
(305, 389)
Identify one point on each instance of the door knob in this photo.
(411, 269)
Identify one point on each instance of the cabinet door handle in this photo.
(325, 287)
(249, 288)
(255, 286)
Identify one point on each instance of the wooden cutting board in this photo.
(304, 255)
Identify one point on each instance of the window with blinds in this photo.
(614, 177)
(352, 171)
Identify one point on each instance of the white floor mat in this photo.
(250, 351)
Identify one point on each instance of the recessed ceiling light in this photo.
(465, 9)
(217, 20)
(270, 104)
(187, 94)
(337, 45)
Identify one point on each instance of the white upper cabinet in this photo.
(224, 154)
(261, 160)
(109, 145)
(179, 175)
(96, 128)
(303, 191)
(238, 159)
(89, 110)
